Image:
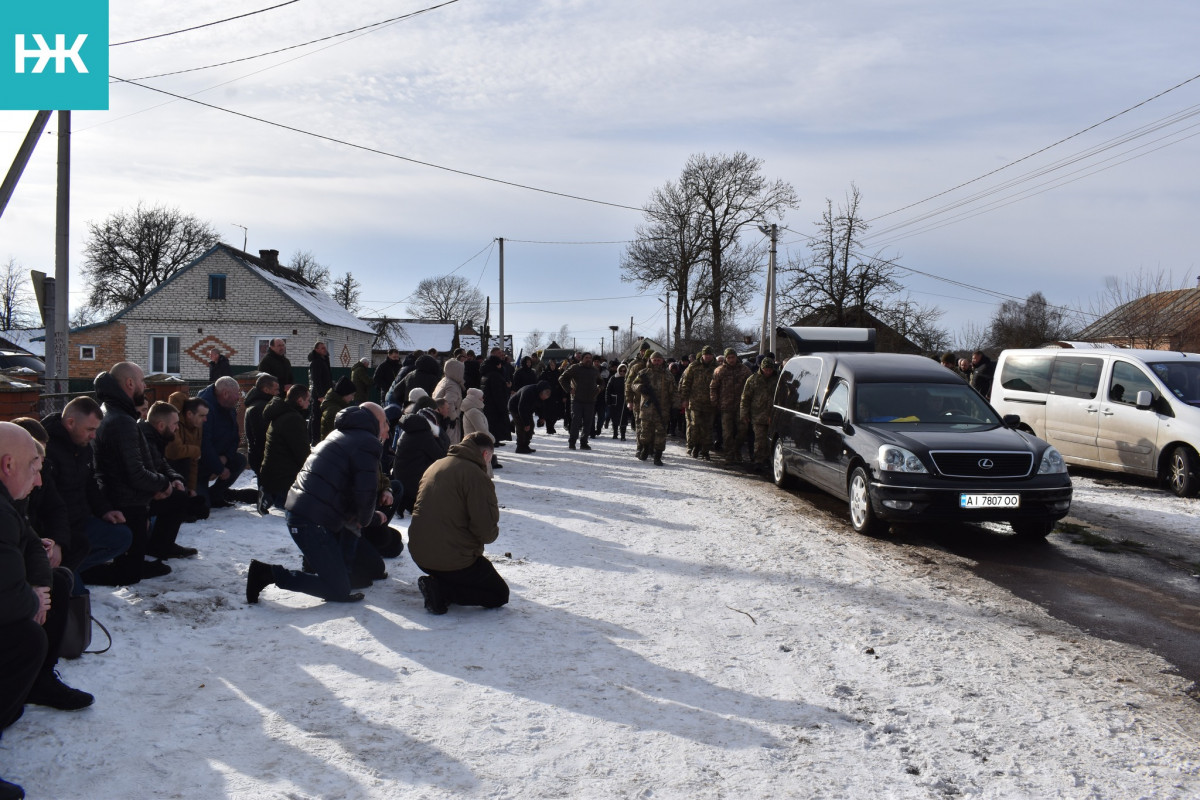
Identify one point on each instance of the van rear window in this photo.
(1027, 373)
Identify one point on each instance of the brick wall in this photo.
(109, 343)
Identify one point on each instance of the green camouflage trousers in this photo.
(734, 431)
(651, 430)
(699, 427)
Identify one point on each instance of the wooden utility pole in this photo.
(62, 266)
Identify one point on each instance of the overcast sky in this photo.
(607, 100)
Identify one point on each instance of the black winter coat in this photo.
(527, 402)
(471, 374)
(417, 448)
(425, 374)
(279, 366)
(125, 465)
(20, 565)
(219, 368)
(495, 399)
(525, 376)
(74, 474)
(256, 427)
(339, 484)
(320, 375)
(286, 447)
(47, 515)
(158, 448)
(385, 373)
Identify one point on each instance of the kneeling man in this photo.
(455, 515)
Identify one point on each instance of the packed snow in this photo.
(674, 632)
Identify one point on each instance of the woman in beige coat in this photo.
(473, 419)
(451, 387)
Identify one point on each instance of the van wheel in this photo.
(1033, 529)
(779, 472)
(1181, 472)
(862, 516)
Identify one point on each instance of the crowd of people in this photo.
(99, 493)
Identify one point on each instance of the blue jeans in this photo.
(106, 541)
(330, 554)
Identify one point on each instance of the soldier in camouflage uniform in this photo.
(726, 394)
(758, 398)
(693, 389)
(632, 400)
(654, 389)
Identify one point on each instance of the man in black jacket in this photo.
(88, 511)
(265, 388)
(218, 365)
(30, 632)
(386, 372)
(333, 498)
(276, 363)
(125, 467)
(160, 428)
(523, 405)
(320, 381)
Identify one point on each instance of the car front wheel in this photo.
(1181, 475)
(862, 516)
(779, 472)
(1032, 528)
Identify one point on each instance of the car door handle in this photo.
(1092, 409)
(1107, 412)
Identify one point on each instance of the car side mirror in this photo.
(1011, 421)
(832, 418)
(1145, 399)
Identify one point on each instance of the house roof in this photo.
(1177, 309)
(31, 340)
(312, 301)
(414, 334)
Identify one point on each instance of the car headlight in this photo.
(897, 459)
(1052, 462)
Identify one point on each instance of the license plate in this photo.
(989, 501)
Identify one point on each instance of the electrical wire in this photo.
(363, 30)
(377, 151)
(205, 25)
(1042, 150)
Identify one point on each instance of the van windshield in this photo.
(1183, 379)
(921, 403)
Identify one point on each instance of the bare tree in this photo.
(448, 297)
(731, 195)
(1031, 323)
(17, 308)
(669, 252)
(305, 264)
(131, 252)
(840, 281)
(1137, 309)
(83, 315)
(346, 291)
(971, 336)
(534, 340)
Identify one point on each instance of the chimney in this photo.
(269, 258)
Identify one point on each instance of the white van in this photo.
(1132, 411)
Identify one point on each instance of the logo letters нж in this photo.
(43, 53)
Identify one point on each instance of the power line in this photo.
(377, 151)
(371, 28)
(583, 300)
(531, 241)
(205, 25)
(1042, 150)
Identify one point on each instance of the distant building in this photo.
(226, 299)
(1159, 321)
(411, 335)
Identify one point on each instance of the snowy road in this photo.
(674, 633)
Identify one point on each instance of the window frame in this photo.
(166, 339)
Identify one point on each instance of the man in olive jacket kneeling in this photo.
(455, 515)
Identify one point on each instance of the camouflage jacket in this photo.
(727, 383)
(695, 383)
(662, 383)
(758, 397)
(637, 365)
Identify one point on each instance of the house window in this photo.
(87, 352)
(216, 286)
(164, 354)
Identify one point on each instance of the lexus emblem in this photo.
(986, 463)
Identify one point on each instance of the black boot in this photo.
(258, 577)
(641, 454)
(658, 458)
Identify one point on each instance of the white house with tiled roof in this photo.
(228, 299)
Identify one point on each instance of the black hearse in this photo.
(902, 438)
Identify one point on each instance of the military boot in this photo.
(658, 458)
